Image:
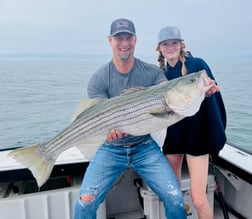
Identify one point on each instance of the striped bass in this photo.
(137, 111)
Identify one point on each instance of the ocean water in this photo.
(234, 76)
(38, 96)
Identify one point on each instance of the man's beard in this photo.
(124, 57)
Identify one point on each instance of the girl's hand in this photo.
(215, 88)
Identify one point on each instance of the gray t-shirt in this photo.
(107, 82)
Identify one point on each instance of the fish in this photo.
(136, 111)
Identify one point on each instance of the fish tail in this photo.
(30, 157)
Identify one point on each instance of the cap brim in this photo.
(162, 40)
(122, 31)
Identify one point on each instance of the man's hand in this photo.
(115, 134)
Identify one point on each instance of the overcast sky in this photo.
(217, 27)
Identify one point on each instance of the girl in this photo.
(200, 135)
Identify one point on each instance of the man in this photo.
(122, 151)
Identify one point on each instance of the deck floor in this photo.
(218, 214)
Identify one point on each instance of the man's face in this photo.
(123, 45)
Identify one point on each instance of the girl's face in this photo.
(170, 49)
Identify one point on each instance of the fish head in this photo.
(186, 93)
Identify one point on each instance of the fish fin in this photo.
(29, 156)
(134, 89)
(161, 113)
(83, 106)
(130, 90)
(88, 150)
(157, 111)
(159, 136)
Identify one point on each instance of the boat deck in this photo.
(218, 214)
(124, 201)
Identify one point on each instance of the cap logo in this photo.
(175, 32)
(121, 24)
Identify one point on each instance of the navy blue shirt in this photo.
(203, 133)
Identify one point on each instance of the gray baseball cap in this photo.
(169, 33)
(122, 25)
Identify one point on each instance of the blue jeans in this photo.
(147, 160)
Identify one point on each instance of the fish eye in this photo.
(192, 80)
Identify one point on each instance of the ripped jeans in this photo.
(147, 160)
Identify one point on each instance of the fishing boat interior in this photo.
(229, 190)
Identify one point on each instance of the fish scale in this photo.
(106, 120)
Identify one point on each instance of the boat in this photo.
(229, 189)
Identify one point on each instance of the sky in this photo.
(76, 27)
